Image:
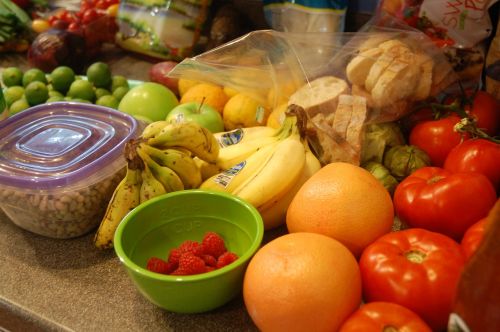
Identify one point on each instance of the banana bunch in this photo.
(160, 161)
(266, 169)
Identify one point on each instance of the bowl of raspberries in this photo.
(187, 251)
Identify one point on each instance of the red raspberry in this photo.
(190, 264)
(191, 246)
(226, 259)
(213, 244)
(209, 260)
(158, 265)
(174, 255)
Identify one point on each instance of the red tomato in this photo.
(89, 15)
(379, 316)
(437, 138)
(476, 155)
(472, 238)
(486, 110)
(444, 202)
(415, 268)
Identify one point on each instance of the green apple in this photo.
(203, 114)
(148, 100)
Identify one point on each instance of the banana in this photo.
(189, 135)
(206, 169)
(274, 212)
(243, 135)
(178, 161)
(153, 129)
(124, 199)
(157, 179)
(229, 179)
(277, 175)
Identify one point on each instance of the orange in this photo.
(302, 282)
(345, 202)
(206, 93)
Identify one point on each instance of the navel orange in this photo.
(345, 202)
(302, 282)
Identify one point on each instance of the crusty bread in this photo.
(320, 95)
(357, 69)
(426, 65)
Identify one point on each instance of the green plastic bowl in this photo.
(164, 222)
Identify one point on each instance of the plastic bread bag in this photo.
(340, 81)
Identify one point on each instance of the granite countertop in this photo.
(68, 285)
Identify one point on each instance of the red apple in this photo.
(203, 114)
(158, 73)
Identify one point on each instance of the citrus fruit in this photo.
(302, 282)
(81, 89)
(99, 74)
(12, 94)
(148, 100)
(99, 92)
(108, 101)
(36, 93)
(61, 78)
(206, 93)
(243, 111)
(18, 106)
(119, 92)
(32, 75)
(277, 116)
(53, 93)
(54, 99)
(185, 84)
(12, 76)
(345, 202)
(118, 81)
(230, 92)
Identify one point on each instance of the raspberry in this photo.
(209, 260)
(174, 255)
(226, 259)
(213, 244)
(190, 264)
(158, 265)
(191, 246)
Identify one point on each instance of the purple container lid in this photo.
(55, 145)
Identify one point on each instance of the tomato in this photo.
(444, 202)
(415, 268)
(75, 28)
(382, 316)
(437, 137)
(472, 238)
(476, 155)
(89, 15)
(486, 110)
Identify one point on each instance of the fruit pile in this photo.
(34, 87)
(192, 257)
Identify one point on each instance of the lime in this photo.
(54, 99)
(81, 89)
(54, 93)
(80, 100)
(108, 101)
(36, 93)
(118, 81)
(120, 92)
(32, 75)
(12, 76)
(18, 106)
(61, 78)
(99, 74)
(99, 92)
(13, 94)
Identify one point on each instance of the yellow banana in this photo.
(274, 212)
(278, 174)
(242, 135)
(153, 129)
(229, 179)
(178, 161)
(161, 179)
(188, 135)
(124, 199)
(206, 169)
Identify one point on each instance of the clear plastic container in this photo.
(59, 165)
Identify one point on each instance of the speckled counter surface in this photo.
(68, 285)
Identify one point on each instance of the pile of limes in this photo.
(34, 87)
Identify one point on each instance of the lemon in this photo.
(108, 101)
(230, 92)
(244, 111)
(81, 89)
(12, 76)
(99, 92)
(61, 78)
(36, 93)
(184, 85)
(99, 74)
(118, 81)
(18, 106)
(13, 94)
(119, 92)
(277, 116)
(32, 75)
(205, 93)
